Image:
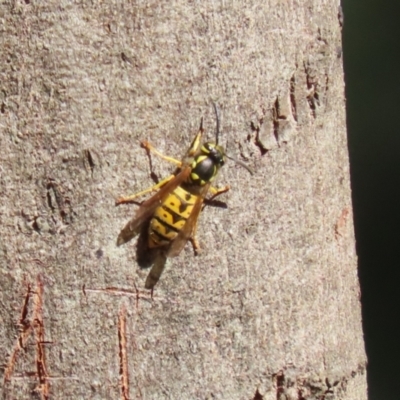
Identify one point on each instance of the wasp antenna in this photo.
(242, 164)
(201, 124)
(217, 118)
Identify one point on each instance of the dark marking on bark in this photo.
(56, 200)
(275, 114)
(99, 253)
(293, 96)
(258, 396)
(258, 139)
(312, 89)
(340, 16)
(280, 382)
(89, 159)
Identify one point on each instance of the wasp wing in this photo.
(146, 210)
(187, 231)
(156, 270)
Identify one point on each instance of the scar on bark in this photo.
(115, 291)
(136, 293)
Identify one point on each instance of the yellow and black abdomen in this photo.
(170, 217)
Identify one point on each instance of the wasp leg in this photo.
(150, 148)
(196, 141)
(129, 199)
(195, 244)
(217, 191)
(193, 239)
(191, 152)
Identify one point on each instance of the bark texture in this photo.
(270, 309)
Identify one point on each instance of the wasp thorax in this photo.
(206, 165)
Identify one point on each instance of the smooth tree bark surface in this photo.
(270, 308)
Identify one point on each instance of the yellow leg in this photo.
(192, 149)
(129, 199)
(196, 141)
(193, 239)
(217, 191)
(149, 147)
(195, 245)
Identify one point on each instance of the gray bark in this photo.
(270, 309)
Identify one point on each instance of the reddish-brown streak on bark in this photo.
(341, 222)
(25, 331)
(123, 357)
(27, 326)
(23, 321)
(41, 368)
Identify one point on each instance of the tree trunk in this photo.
(270, 308)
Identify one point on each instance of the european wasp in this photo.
(174, 210)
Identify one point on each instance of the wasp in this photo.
(174, 210)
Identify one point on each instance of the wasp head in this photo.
(206, 164)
